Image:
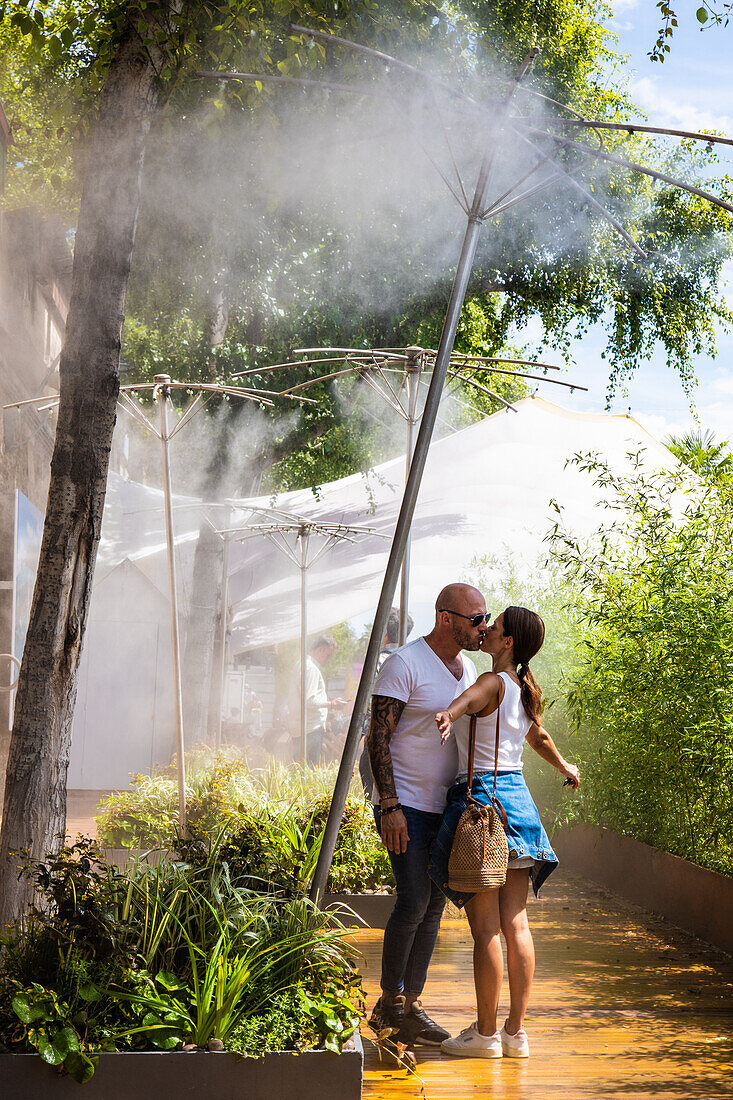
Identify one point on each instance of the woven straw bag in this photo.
(480, 854)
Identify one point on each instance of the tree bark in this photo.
(35, 788)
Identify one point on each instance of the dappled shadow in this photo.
(623, 1005)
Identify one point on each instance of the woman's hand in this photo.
(571, 773)
(443, 719)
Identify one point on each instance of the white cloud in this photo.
(723, 386)
(665, 108)
(624, 5)
(661, 426)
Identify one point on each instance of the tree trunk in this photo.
(35, 786)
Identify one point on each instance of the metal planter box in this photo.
(313, 1075)
(373, 909)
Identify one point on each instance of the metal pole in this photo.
(303, 535)
(162, 379)
(412, 383)
(224, 626)
(412, 488)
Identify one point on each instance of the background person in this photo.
(412, 772)
(317, 703)
(512, 640)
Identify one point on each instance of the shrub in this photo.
(270, 822)
(156, 956)
(652, 697)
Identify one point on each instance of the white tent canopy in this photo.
(485, 488)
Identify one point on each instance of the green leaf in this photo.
(166, 1040)
(21, 1008)
(64, 1042)
(80, 1066)
(89, 992)
(48, 1051)
(702, 15)
(27, 1011)
(169, 981)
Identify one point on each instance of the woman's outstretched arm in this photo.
(539, 739)
(471, 701)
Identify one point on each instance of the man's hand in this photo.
(394, 831)
(338, 704)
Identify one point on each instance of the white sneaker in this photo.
(472, 1044)
(514, 1046)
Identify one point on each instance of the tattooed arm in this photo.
(385, 716)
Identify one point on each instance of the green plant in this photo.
(361, 861)
(270, 832)
(263, 955)
(282, 1027)
(652, 696)
(45, 1023)
(158, 955)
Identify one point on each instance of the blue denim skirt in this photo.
(525, 834)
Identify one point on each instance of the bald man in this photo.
(412, 772)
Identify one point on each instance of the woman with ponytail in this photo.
(512, 641)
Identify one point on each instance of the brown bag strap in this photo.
(496, 741)
(472, 746)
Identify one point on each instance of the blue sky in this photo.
(692, 90)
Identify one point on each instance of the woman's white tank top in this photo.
(514, 725)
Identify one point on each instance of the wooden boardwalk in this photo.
(623, 1005)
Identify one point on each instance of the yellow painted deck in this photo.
(623, 1005)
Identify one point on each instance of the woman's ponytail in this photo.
(531, 693)
(527, 631)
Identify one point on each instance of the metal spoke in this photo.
(270, 78)
(486, 390)
(335, 40)
(466, 205)
(637, 127)
(387, 382)
(134, 410)
(590, 200)
(444, 178)
(536, 378)
(372, 382)
(653, 172)
(195, 405)
(511, 190)
(557, 177)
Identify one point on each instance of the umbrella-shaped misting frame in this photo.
(295, 536)
(547, 171)
(396, 375)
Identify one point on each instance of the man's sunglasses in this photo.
(474, 620)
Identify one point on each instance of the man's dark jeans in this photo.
(412, 929)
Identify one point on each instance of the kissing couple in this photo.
(418, 749)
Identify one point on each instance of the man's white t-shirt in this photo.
(423, 768)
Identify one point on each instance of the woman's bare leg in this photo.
(519, 945)
(488, 964)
